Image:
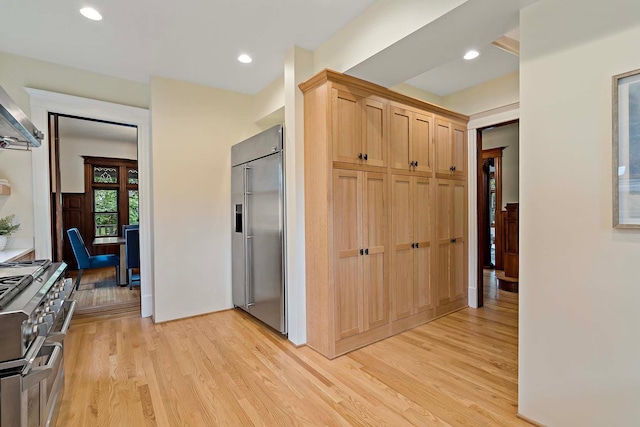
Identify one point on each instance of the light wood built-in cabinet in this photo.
(450, 149)
(411, 139)
(360, 236)
(451, 238)
(385, 183)
(411, 204)
(358, 132)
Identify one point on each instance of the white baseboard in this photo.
(473, 297)
(147, 303)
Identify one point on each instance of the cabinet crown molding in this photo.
(334, 76)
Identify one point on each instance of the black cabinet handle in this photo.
(366, 156)
(361, 251)
(454, 240)
(415, 163)
(413, 245)
(417, 245)
(360, 156)
(366, 251)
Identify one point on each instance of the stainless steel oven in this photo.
(30, 398)
(32, 385)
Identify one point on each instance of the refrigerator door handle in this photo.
(247, 264)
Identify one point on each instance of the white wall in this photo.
(579, 343)
(379, 26)
(72, 163)
(418, 93)
(506, 136)
(17, 72)
(15, 166)
(269, 100)
(298, 68)
(486, 96)
(193, 129)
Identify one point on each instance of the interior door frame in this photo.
(482, 155)
(42, 103)
(483, 203)
(476, 121)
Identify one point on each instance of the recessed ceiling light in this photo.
(472, 54)
(245, 59)
(91, 13)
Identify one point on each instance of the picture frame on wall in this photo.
(626, 150)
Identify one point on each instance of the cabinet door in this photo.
(374, 132)
(346, 126)
(458, 263)
(443, 148)
(459, 150)
(402, 220)
(400, 138)
(443, 241)
(374, 233)
(422, 236)
(421, 142)
(347, 242)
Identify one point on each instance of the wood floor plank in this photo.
(227, 369)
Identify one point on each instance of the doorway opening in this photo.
(94, 188)
(497, 198)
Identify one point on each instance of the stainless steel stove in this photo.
(15, 277)
(35, 313)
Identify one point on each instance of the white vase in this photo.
(3, 242)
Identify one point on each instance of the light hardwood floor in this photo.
(226, 369)
(99, 292)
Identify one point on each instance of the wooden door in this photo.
(421, 142)
(422, 223)
(443, 148)
(346, 127)
(400, 138)
(374, 132)
(458, 262)
(347, 243)
(443, 241)
(402, 220)
(374, 233)
(72, 216)
(459, 151)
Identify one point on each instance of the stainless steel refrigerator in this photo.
(257, 197)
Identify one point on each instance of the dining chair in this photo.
(86, 261)
(128, 226)
(132, 249)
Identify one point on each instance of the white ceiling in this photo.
(461, 74)
(196, 41)
(430, 57)
(91, 130)
(200, 42)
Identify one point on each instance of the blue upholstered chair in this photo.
(132, 248)
(86, 261)
(128, 226)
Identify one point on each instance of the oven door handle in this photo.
(36, 375)
(59, 336)
(34, 349)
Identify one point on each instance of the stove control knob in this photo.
(29, 331)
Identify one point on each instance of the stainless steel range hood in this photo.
(15, 127)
